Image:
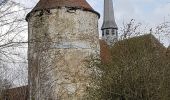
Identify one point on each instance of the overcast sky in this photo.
(149, 12)
(145, 11)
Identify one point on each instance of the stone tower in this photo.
(109, 27)
(63, 34)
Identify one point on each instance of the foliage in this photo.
(139, 70)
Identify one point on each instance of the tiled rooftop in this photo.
(49, 4)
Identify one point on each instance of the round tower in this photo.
(63, 34)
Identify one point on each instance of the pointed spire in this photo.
(109, 27)
(109, 19)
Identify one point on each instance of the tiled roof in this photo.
(51, 4)
(48, 4)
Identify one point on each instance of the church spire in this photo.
(109, 27)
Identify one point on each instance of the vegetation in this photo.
(138, 70)
(13, 59)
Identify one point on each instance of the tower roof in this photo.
(51, 4)
(109, 19)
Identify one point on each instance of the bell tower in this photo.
(109, 27)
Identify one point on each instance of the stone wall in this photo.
(60, 42)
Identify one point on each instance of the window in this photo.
(113, 32)
(107, 32)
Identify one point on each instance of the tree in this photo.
(12, 27)
(138, 71)
(134, 28)
(12, 41)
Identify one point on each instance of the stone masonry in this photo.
(60, 42)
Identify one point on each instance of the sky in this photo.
(148, 12)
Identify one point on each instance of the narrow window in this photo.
(107, 32)
(113, 32)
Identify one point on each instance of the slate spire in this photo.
(109, 27)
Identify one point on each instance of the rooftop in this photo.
(132, 46)
(51, 4)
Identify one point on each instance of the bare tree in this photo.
(13, 39)
(130, 28)
(133, 28)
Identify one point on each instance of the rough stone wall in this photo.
(60, 42)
